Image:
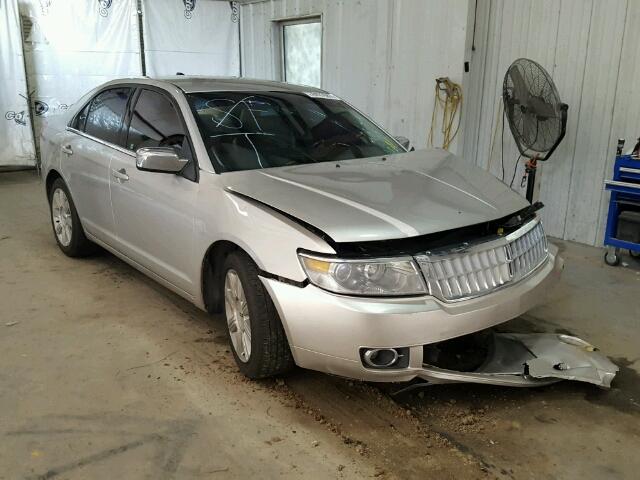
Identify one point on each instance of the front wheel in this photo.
(66, 223)
(258, 341)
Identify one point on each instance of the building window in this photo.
(302, 51)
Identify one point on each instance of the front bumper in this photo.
(326, 331)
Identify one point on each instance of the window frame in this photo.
(124, 114)
(280, 59)
(83, 132)
(74, 120)
(124, 132)
(124, 127)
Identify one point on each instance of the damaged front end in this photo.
(437, 253)
(516, 359)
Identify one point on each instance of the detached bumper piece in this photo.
(518, 360)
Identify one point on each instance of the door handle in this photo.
(67, 149)
(120, 174)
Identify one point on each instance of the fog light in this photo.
(381, 358)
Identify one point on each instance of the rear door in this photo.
(154, 212)
(92, 141)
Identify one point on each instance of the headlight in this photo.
(364, 277)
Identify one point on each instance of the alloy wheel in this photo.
(237, 311)
(61, 215)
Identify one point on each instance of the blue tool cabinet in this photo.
(625, 195)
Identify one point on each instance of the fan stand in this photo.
(530, 169)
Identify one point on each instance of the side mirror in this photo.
(159, 159)
(404, 141)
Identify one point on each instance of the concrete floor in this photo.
(106, 374)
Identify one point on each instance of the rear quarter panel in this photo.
(52, 136)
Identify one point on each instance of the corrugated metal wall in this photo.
(590, 47)
(384, 56)
(381, 56)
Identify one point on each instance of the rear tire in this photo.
(67, 228)
(268, 352)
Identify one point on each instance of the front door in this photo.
(154, 211)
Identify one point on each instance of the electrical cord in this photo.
(494, 132)
(448, 97)
(515, 169)
(502, 146)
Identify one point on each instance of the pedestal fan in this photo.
(537, 118)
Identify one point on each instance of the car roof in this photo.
(190, 84)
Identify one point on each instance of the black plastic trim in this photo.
(286, 280)
(415, 245)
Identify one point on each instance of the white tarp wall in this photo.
(73, 46)
(382, 56)
(195, 37)
(16, 134)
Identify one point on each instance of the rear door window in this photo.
(106, 112)
(81, 118)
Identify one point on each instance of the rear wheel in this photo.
(66, 223)
(258, 341)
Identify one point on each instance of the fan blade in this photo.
(540, 108)
(520, 90)
(529, 129)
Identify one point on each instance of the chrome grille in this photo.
(471, 271)
(526, 251)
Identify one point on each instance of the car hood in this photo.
(381, 198)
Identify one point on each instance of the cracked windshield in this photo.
(246, 131)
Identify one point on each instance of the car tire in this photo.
(67, 229)
(247, 303)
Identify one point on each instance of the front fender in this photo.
(269, 238)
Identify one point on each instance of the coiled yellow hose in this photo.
(448, 98)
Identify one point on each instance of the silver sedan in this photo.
(323, 239)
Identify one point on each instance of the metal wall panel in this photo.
(381, 56)
(626, 109)
(384, 56)
(568, 72)
(595, 120)
(590, 49)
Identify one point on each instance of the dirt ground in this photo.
(106, 374)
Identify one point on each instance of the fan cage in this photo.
(536, 116)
